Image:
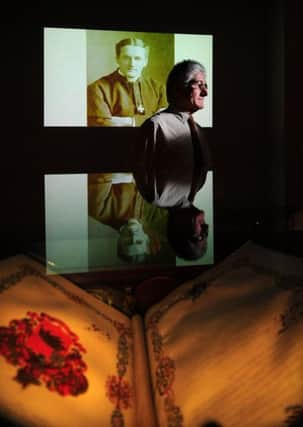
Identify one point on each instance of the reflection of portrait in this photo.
(126, 96)
(141, 226)
(133, 240)
(173, 156)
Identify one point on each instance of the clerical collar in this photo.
(124, 76)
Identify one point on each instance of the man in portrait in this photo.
(126, 96)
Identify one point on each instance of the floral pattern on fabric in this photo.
(46, 352)
(119, 391)
(165, 377)
(165, 369)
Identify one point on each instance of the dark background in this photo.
(256, 140)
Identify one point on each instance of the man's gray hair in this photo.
(180, 76)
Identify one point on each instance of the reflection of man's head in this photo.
(132, 57)
(133, 242)
(187, 232)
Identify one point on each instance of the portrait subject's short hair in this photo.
(180, 76)
(131, 42)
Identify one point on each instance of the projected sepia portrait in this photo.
(114, 78)
(133, 90)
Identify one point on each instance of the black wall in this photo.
(293, 107)
(255, 161)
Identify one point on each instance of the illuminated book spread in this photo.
(225, 348)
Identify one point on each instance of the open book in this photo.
(224, 349)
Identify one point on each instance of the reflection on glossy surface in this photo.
(140, 227)
(84, 215)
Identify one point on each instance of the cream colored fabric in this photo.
(98, 327)
(228, 346)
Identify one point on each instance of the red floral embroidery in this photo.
(117, 419)
(13, 347)
(119, 392)
(46, 351)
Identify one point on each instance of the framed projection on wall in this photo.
(96, 222)
(76, 59)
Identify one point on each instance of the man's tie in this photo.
(200, 159)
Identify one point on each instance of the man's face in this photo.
(200, 227)
(133, 241)
(131, 61)
(197, 90)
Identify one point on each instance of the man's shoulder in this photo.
(107, 79)
(158, 117)
(165, 115)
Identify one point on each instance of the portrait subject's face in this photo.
(131, 61)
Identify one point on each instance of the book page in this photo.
(227, 347)
(66, 359)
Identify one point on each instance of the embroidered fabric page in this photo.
(227, 347)
(65, 357)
